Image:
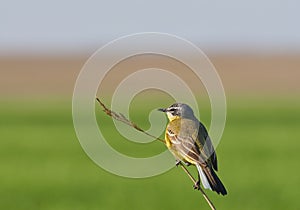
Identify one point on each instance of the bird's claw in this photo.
(187, 163)
(177, 162)
(197, 185)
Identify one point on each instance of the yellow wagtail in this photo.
(188, 141)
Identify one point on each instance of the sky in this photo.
(76, 26)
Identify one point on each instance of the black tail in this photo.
(214, 181)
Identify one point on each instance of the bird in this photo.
(188, 140)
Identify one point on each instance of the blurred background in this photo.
(254, 46)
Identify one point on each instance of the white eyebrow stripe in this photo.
(174, 108)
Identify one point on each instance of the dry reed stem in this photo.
(122, 118)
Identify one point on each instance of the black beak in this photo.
(162, 110)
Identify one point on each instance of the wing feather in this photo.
(193, 142)
(208, 147)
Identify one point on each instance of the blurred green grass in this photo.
(44, 167)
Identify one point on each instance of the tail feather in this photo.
(203, 178)
(210, 180)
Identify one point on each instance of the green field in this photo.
(44, 167)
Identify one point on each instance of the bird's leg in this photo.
(177, 162)
(197, 184)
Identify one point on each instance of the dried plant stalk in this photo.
(122, 118)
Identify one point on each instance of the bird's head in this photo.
(178, 110)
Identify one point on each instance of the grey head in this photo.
(180, 110)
